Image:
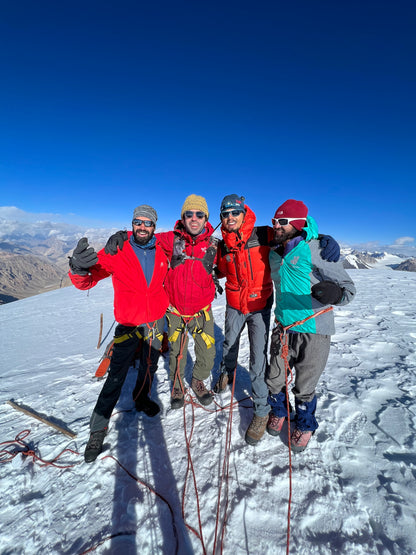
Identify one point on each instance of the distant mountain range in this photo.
(34, 263)
(30, 265)
(363, 260)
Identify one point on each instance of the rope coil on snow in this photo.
(19, 447)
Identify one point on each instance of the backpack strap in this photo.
(179, 256)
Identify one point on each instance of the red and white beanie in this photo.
(293, 209)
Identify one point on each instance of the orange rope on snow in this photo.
(225, 473)
(175, 533)
(288, 371)
(101, 542)
(189, 400)
(152, 490)
(190, 468)
(19, 447)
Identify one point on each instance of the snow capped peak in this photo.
(365, 260)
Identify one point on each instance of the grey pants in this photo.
(258, 332)
(202, 329)
(308, 354)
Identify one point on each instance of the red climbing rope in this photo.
(175, 533)
(190, 469)
(288, 371)
(19, 447)
(225, 474)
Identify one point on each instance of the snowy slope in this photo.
(388, 260)
(353, 489)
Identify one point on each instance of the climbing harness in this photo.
(153, 332)
(185, 319)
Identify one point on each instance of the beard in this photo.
(143, 239)
(281, 235)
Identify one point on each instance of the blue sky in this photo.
(105, 105)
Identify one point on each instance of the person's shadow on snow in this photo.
(139, 444)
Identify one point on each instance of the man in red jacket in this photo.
(192, 250)
(243, 258)
(140, 302)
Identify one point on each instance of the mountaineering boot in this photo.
(146, 405)
(221, 383)
(275, 424)
(94, 445)
(305, 424)
(201, 392)
(256, 429)
(299, 440)
(224, 379)
(176, 399)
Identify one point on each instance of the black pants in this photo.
(123, 356)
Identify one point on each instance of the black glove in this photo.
(330, 248)
(217, 284)
(116, 240)
(327, 292)
(82, 258)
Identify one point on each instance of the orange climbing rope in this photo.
(288, 372)
(19, 447)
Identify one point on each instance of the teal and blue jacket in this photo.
(295, 268)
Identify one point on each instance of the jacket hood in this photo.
(237, 239)
(311, 230)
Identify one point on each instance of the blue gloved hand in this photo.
(116, 240)
(330, 248)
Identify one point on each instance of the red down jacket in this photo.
(243, 258)
(135, 302)
(189, 286)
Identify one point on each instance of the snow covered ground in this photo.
(353, 489)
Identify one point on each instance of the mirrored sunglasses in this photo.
(284, 221)
(147, 223)
(227, 213)
(189, 213)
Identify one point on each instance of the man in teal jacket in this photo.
(306, 286)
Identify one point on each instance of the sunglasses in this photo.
(226, 214)
(147, 223)
(189, 214)
(284, 221)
